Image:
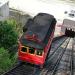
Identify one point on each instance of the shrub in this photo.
(5, 62)
(8, 34)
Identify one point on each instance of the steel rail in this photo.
(44, 71)
(18, 65)
(71, 64)
(23, 69)
(57, 48)
(54, 50)
(59, 59)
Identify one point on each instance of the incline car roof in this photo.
(40, 26)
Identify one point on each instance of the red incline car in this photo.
(34, 44)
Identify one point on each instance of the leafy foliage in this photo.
(5, 62)
(8, 33)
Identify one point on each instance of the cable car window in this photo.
(31, 50)
(24, 49)
(39, 52)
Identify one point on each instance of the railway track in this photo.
(58, 60)
(21, 69)
(56, 54)
(56, 45)
(66, 65)
(71, 63)
(74, 58)
(54, 60)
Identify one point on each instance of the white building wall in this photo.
(4, 11)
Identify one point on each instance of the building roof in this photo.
(69, 23)
(2, 2)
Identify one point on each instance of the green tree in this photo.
(8, 33)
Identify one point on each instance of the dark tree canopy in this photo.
(8, 34)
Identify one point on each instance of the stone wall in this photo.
(19, 16)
